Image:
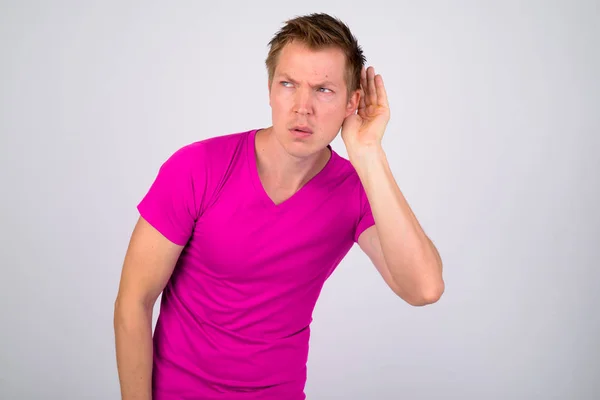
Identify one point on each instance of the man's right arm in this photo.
(148, 265)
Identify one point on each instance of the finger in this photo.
(382, 98)
(372, 93)
(365, 89)
(361, 103)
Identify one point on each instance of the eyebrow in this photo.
(321, 84)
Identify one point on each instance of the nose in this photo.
(303, 101)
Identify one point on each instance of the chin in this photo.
(299, 150)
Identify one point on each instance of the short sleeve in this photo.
(365, 219)
(170, 204)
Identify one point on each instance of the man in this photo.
(239, 232)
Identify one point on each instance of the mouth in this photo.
(301, 130)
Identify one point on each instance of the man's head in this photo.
(314, 67)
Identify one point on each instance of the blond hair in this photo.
(319, 31)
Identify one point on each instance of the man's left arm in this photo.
(397, 245)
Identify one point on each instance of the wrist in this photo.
(367, 158)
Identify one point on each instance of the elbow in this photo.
(428, 294)
(128, 313)
(119, 313)
(427, 298)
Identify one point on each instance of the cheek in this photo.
(280, 104)
(334, 112)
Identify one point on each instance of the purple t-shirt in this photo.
(235, 316)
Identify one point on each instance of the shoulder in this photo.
(222, 142)
(207, 152)
(353, 186)
(345, 171)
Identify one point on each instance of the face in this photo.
(309, 91)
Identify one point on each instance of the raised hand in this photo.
(364, 130)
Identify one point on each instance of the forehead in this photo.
(298, 60)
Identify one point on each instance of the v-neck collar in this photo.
(303, 194)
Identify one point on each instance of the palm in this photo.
(366, 128)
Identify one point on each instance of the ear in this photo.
(353, 102)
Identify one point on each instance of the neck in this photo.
(278, 168)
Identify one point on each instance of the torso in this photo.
(237, 310)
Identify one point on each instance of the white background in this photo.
(494, 141)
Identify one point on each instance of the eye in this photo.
(285, 83)
(322, 90)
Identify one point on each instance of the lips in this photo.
(302, 128)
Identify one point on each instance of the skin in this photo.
(308, 88)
